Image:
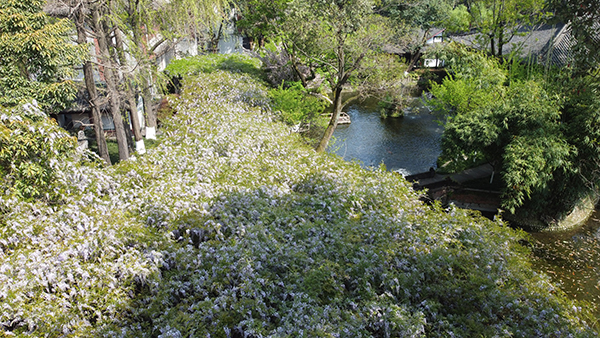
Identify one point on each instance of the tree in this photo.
(79, 18)
(474, 81)
(149, 26)
(513, 122)
(102, 28)
(37, 57)
(419, 17)
(497, 21)
(458, 19)
(334, 38)
(30, 146)
(346, 36)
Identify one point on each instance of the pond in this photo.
(409, 144)
(572, 260)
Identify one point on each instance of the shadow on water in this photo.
(408, 144)
(572, 260)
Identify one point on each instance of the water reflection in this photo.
(410, 144)
(572, 260)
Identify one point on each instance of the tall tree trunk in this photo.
(214, 38)
(417, 55)
(135, 123)
(111, 84)
(337, 110)
(500, 41)
(128, 133)
(145, 69)
(118, 59)
(413, 61)
(88, 74)
(149, 109)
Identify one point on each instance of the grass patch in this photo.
(236, 63)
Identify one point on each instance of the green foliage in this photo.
(580, 121)
(423, 14)
(37, 56)
(261, 18)
(231, 227)
(334, 39)
(474, 81)
(508, 117)
(296, 105)
(384, 75)
(497, 21)
(530, 162)
(195, 65)
(30, 146)
(458, 20)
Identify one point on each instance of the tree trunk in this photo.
(214, 39)
(140, 148)
(295, 66)
(111, 84)
(414, 60)
(131, 98)
(419, 52)
(500, 41)
(128, 134)
(492, 46)
(299, 73)
(88, 74)
(337, 109)
(151, 116)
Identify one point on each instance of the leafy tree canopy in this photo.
(423, 14)
(496, 21)
(37, 58)
(31, 145)
(538, 129)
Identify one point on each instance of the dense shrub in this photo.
(30, 148)
(296, 105)
(230, 227)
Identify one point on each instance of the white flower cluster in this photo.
(231, 227)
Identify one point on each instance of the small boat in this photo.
(343, 119)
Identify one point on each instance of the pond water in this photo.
(572, 260)
(409, 144)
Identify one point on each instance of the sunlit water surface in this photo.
(408, 144)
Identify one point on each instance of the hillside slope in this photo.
(231, 227)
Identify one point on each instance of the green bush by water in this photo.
(296, 105)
